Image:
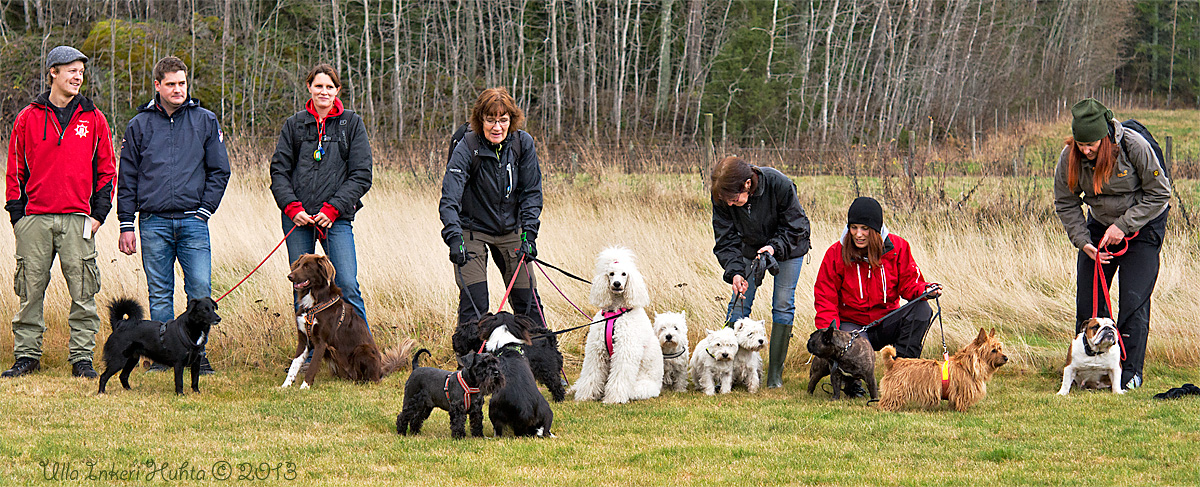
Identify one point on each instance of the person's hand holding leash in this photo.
(768, 249)
(458, 251)
(740, 285)
(1091, 252)
(934, 289)
(1112, 236)
(528, 248)
(301, 219)
(322, 220)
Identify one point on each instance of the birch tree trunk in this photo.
(557, 117)
(664, 59)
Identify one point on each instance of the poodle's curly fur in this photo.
(635, 369)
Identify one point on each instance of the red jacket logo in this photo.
(81, 130)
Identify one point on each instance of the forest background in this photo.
(804, 76)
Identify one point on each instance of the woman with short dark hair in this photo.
(492, 203)
(1113, 170)
(758, 222)
(319, 173)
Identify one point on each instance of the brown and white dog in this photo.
(334, 328)
(1093, 357)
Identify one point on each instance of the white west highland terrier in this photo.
(672, 332)
(747, 364)
(712, 363)
(622, 360)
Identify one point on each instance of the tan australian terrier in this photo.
(914, 380)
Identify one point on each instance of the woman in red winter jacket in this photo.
(862, 278)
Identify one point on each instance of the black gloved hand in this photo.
(458, 251)
(528, 248)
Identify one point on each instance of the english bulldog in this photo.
(1093, 356)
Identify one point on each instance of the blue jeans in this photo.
(339, 246)
(165, 240)
(783, 298)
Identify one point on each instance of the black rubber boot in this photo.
(781, 335)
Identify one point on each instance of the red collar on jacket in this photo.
(333, 112)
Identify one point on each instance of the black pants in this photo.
(904, 330)
(1138, 270)
(472, 277)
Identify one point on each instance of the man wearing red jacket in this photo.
(862, 278)
(58, 190)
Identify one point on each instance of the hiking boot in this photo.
(22, 366)
(83, 368)
(854, 389)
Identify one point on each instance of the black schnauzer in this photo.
(429, 387)
(176, 343)
(544, 358)
(843, 365)
(519, 404)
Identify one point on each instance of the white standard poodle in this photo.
(622, 360)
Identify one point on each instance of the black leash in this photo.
(740, 298)
(565, 273)
(854, 334)
(559, 332)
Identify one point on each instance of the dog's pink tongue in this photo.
(300, 285)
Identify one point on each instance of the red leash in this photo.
(510, 283)
(235, 286)
(1099, 280)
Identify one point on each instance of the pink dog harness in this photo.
(610, 321)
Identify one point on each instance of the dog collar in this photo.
(512, 346)
(467, 390)
(610, 322)
(310, 316)
(1087, 348)
(677, 354)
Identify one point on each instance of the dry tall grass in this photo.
(1002, 267)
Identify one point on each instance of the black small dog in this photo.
(843, 366)
(545, 360)
(176, 343)
(429, 387)
(519, 404)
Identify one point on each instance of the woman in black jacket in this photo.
(492, 203)
(319, 173)
(758, 221)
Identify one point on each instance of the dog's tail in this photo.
(417, 357)
(124, 309)
(395, 358)
(889, 357)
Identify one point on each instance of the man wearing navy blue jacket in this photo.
(173, 173)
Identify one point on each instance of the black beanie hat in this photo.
(866, 211)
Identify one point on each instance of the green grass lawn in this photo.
(344, 434)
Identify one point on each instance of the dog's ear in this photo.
(329, 270)
(466, 361)
(992, 334)
(983, 336)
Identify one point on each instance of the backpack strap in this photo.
(472, 142)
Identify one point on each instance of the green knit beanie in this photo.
(1090, 121)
